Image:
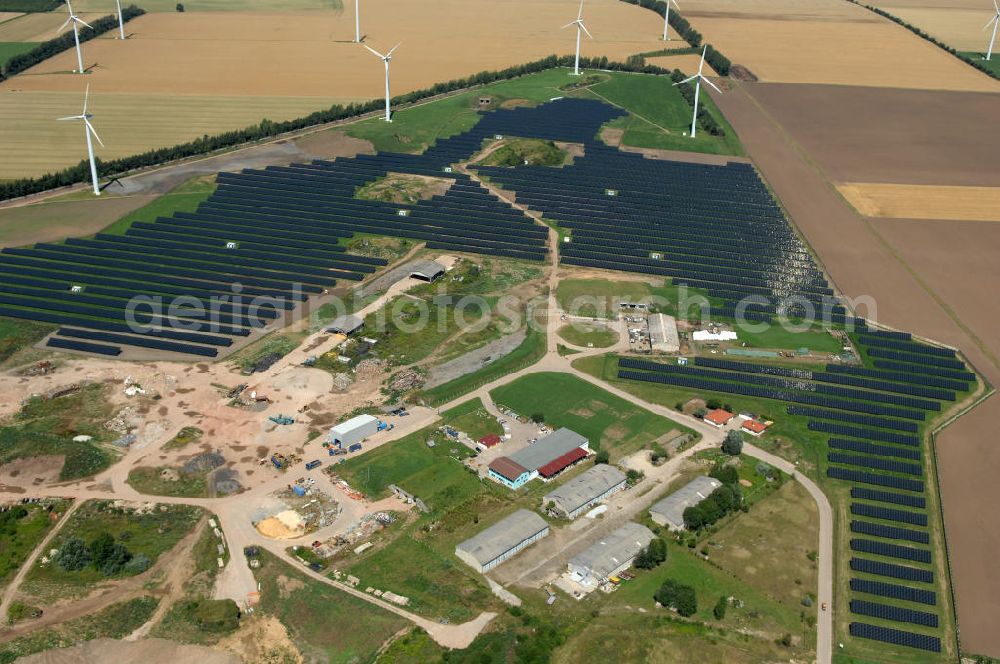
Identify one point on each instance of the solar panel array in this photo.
(894, 613)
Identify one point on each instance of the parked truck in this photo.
(356, 447)
(313, 464)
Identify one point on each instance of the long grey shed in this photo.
(502, 540)
(670, 511)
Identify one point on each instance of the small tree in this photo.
(100, 548)
(700, 413)
(602, 457)
(719, 610)
(658, 550)
(538, 418)
(693, 517)
(713, 404)
(180, 7)
(74, 555)
(733, 444)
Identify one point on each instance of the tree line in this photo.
(719, 503)
(266, 129)
(719, 62)
(64, 42)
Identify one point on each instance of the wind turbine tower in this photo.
(77, 22)
(666, 18)
(88, 129)
(121, 21)
(995, 21)
(385, 58)
(580, 28)
(698, 78)
(357, 21)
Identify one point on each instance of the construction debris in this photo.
(406, 380)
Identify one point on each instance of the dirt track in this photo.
(935, 295)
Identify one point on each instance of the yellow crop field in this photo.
(906, 201)
(959, 28)
(223, 5)
(832, 42)
(185, 74)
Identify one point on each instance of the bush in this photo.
(137, 565)
(180, 7)
(719, 503)
(653, 555)
(719, 610)
(678, 596)
(538, 418)
(213, 615)
(602, 456)
(74, 555)
(116, 560)
(725, 474)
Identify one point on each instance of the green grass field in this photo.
(608, 422)
(149, 480)
(473, 419)
(185, 197)
(16, 335)
(19, 536)
(9, 49)
(149, 533)
(584, 334)
(777, 337)
(660, 116)
(599, 298)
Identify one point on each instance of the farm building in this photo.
(670, 511)
(488, 441)
(754, 427)
(663, 335)
(571, 499)
(354, 430)
(719, 418)
(503, 540)
(427, 270)
(346, 324)
(610, 556)
(546, 458)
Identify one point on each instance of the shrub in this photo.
(214, 615)
(719, 610)
(678, 596)
(74, 555)
(538, 418)
(137, 565)
(602, 456)
(733, 444)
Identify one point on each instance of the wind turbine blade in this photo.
(675, 4)
(91, 129)
(393, 49)
(86, 96)
(687, 80)
(991, 21)
(373, 50)
(712, 85)
(70, 117)
(584, 28)
(568, 24)
(80, 20)
(63, 26)
(997, 7)
(579, 14)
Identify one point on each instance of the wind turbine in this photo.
(995, 21)
(666, 18)
(121, 21)
(88, 129)
(698, 78)
(385, 58)
(580, 27)
(77, 22)
(357, 21)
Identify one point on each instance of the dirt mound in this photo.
(741, 73)
(204, 462)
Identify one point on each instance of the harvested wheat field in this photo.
(183, 75)
(829, 41)
(41, 26)
(924, 276)
(861, 134)
(922, 201)
(959, 28)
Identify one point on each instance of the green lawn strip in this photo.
(184, 197)
(993, 64)
(9, 49)
(472, 418)
(46, 427)
(114, 622)
(778, 336)
(325, 623)
(607, 421)
(149, 533)
(529, 352)
(20, 534)
(582, 334)
(599, 298)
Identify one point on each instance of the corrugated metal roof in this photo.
(507, 467)
(585, 487)
(503, 536)
(672, 507)
(556, 465)
(613, 550)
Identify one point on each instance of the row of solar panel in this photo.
(889, 514)
(862, 432)
(875, 463)
(889, 532)
(904, 499)
(891, 550)
(924, 369)
(892, 570)
(893, 613)
(900, 377)
(871, 448)
(867, 420)
(905, 346)
(875, 479)
(895, 637)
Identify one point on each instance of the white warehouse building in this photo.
(354, 430)
(502, 541)
(669, 512)
(590, 487)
